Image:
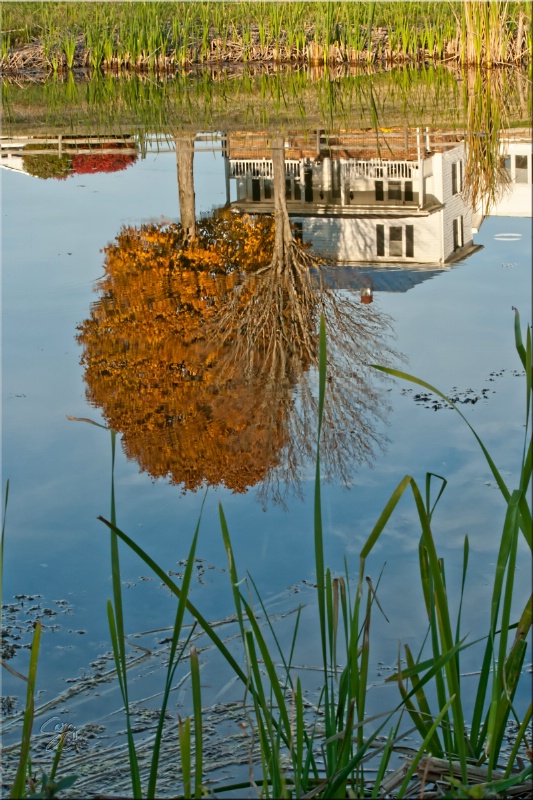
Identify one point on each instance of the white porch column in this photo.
(420, 169)
(326, 174)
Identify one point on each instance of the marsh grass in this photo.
(163, 35)
(290, 741)
(504, 655)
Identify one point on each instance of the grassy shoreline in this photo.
(164, 36)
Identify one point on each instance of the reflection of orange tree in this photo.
(201, 351)
(152, 369)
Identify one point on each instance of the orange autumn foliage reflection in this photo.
(153, 366)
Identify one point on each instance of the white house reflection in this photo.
(387, 197)
(357, 198)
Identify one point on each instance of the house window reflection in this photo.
(457, 177)
(520, 164)
(395, 190)
(458, 233)
(395, 241)
(396, 236)
(409, 241)
(380, 240)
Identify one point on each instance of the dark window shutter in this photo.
(380, 240)
(409, 241)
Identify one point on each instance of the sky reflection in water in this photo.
(455, 328)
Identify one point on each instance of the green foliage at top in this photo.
(133, 30)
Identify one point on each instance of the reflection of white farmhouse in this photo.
(361, 210)
(517, 158)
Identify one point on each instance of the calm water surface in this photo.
(454, 325)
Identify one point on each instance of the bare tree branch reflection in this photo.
(273, 335)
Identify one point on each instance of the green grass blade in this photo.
(420, 695)
(300, 784)
(197, 708)
(270, 669)
(466, 550)
(384, 517)
(57, 755)
(287, 663)
(500, 788)
(529, 370)
(520, 349)
(380, 774)
(116, 621)
(19, 785)
(319, 543)
(184, 738)
(444, 626)
(232, 568)
(120, 666)
(338, 779)
(520, 739)
(429, 476)
(2, 540)
(479, 732)
(425, 578)
(365, 657)
(422, 721)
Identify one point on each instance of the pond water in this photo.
(442, 312)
